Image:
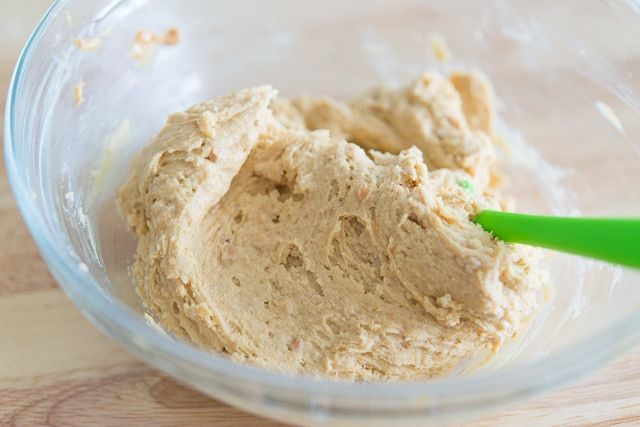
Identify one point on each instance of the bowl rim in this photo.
(449, 393)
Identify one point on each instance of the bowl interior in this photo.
(567, 88)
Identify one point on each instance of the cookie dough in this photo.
(297, 250)
(449, 120)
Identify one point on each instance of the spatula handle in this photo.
(616, 240)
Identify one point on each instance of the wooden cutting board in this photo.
(56, 369)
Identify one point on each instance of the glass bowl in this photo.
(567, 78)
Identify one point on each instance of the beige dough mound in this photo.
(451, 121)
(298, 251)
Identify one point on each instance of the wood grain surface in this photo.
(57, 370)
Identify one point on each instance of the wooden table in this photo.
(56, 369)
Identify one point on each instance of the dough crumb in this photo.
(172, 36)
(88, 44)
(439, 47)
(78, 92)
(146, 42)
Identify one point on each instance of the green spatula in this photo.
(616, 240)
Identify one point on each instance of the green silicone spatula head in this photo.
(615, 240)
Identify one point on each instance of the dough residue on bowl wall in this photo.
(146, 42)
(88, 44)
(113, 145)
(78, 92)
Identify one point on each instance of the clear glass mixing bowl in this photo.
(567, 75)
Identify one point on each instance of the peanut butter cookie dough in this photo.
(329, 239)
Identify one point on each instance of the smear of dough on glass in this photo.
(88, 44)
(146, 41)
(78, 92)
